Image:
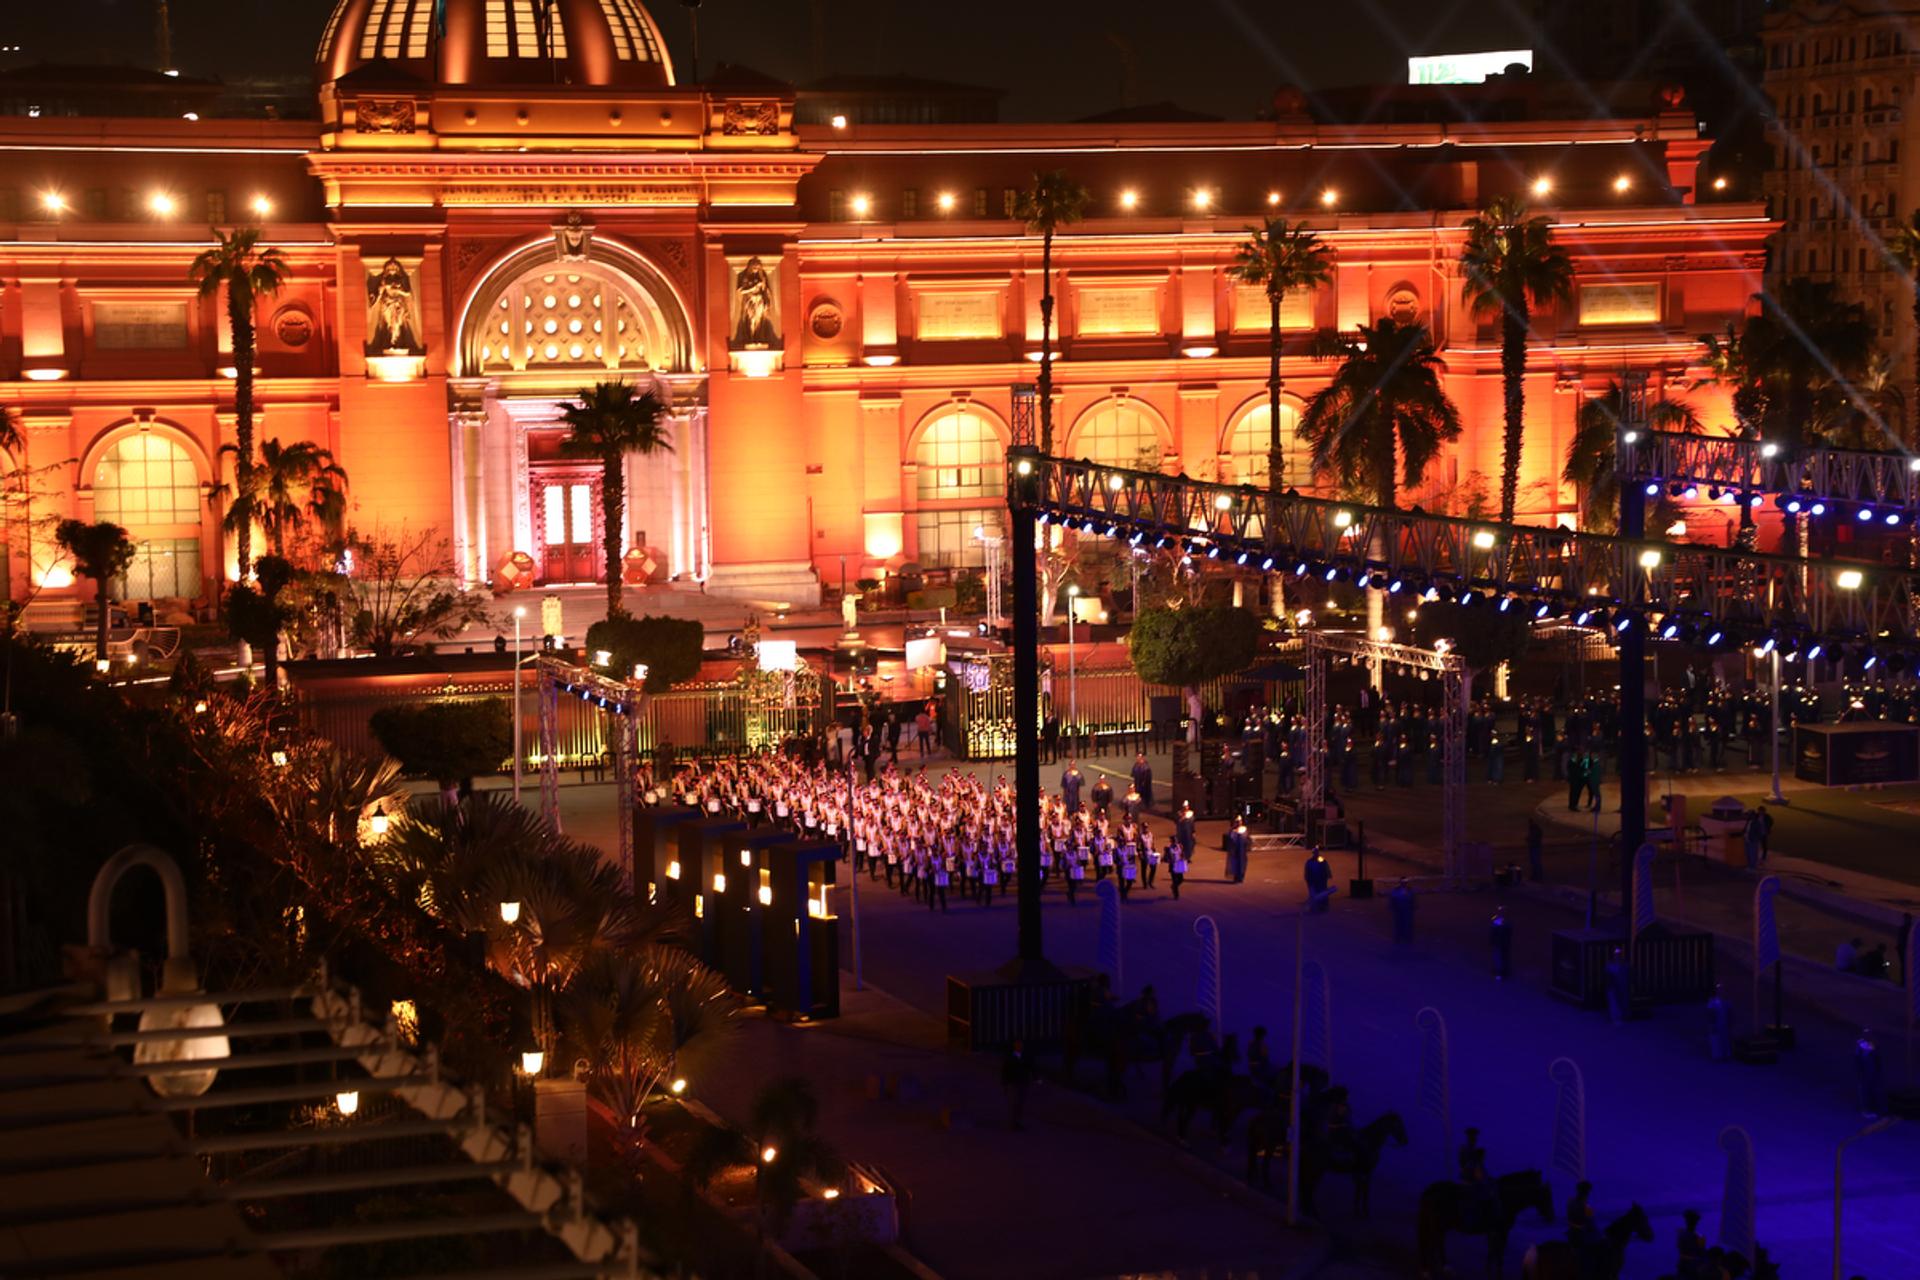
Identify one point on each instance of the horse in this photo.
(1357, 1159)
(1121, 1036)
(1267, 1129)
(1448, 1206)
(1223, 1093)
(1560, 1260)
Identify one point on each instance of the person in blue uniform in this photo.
(1319, 877)
(1070, 784)
(1401, 903)
(1143, 781)
(1238, 843)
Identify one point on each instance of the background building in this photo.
(486, 218)
(1841, 81)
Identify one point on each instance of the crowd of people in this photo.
(945, 836)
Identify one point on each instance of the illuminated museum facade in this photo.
(484, 220)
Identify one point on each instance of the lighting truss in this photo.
(1699, 593)
(1321, 645)
(620, 700)
(1843, 479)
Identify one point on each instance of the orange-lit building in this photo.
(485, 218)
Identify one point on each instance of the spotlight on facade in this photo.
(1329, 197)
(261, 206)
(1720, 183)
(1129, 199)
(161, 205)
(1623, 184)
(1543, 185)
(839, 122)
(1202, 199)
(53, 202)
(861, 204)
(1273, 199)
(946, 201)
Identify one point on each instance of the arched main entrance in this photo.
(541, 326)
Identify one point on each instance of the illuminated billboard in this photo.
(1465, 68)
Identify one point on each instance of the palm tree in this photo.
(633, 1015)
(289, 486)
(611, 421)
(1054, 201)
(237, 264)
(1729, 358)
(1905, 249)
(1807, 341)
(1385, 403)
(1510, 262)
(102, 552)
(1279, 257)
(1590, 458)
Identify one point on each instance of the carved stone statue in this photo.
(390, 315)
(754, 289)
(573, 237)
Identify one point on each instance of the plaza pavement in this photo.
(1656, 1104)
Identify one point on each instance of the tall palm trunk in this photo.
(1513, 374)
(240, 320)
(1275, 478)
(1913, 431)
(1046, 343)
(1274, 460)
(613, 505)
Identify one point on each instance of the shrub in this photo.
(671, 648)
(447, 741)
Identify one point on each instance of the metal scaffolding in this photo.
(1718, 596)
(1321, 645)
(1724, 465)
(620, 701)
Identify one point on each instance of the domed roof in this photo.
(505, 43)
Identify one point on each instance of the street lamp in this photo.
(510, 912)
(519, 613)
(1839, 1155)
(1073, 686)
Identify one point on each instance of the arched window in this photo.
(148, 484)
(959, 457)
(1247, 442)
(1119, 433)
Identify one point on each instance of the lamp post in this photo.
(853, 877)
(1839, 1156)
(1776, 797)
(1073, 682)
(519, 613)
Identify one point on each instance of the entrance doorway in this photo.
(566, 514)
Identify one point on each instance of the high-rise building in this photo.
(1841, 81)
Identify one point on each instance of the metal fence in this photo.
(693, 720)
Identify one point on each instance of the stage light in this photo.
(1134, 541)
(1676, 489)
(1753, 500)
(1483, 539)
(1691, 492)
(1893, 517)
(1850, 579)
(1116, 482)
(1872, 659)
(1817, 509)
(1814, 650)
(1469, 597)
(1300, 569)
(1769, 449)
(1394, 585)
(1266, 563)
(1581, 618)
(1213, 552)
(1342, 519)
(1332, 574)
(1764, 648)
(838, 122)
(1543, 610)
(1650, 558)
(1506, 603)
(1630, 436)
(1242, 557)
(1224, 502)
(945, 201)
(1653, 488)
(1715, 636)
(1669, 631)
(1864, 513)
(1621, 623)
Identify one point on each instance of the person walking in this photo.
(1176, 855)
(1070, 783)
(1500, 936)
(1143, 781)
(1401, 903)
(1536, 842)
(1016, 1077)
(1237, 845)
(1750, 839)
(1184, 826)
(1619, 982)
(1576, 781)
(1766, 832)
(1319, 877)
(1102, 796)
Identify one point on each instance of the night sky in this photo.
(1058, 59)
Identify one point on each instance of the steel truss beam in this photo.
(1708, 591)
(1322, 645)
(1853, 477)
(621, 702)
